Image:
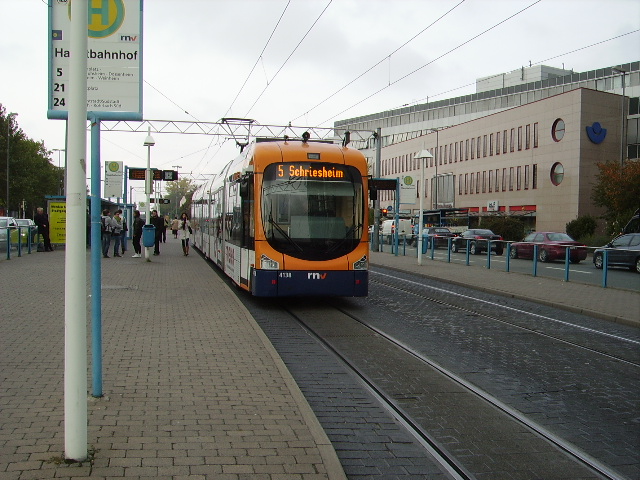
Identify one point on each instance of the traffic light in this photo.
(383, 212)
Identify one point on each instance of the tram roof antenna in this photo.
(305, 137)
(241, 145)
(347, 138)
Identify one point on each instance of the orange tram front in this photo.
(288, 218)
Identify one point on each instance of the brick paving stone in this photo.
(192, 387)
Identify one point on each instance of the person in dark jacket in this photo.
(41, 219)
(138, 223)
(157, 222)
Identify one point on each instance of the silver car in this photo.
(8, 225)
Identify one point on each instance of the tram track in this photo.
(337, 335)
(507, 315)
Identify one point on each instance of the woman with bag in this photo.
(185, 233)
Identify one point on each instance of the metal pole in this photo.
(7, 213)
(376, 203)
(75, 307)
(96, 262)
(622, 139)
(148, 142)
(176, 167)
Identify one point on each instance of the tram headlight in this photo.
(267, 263)
(361, 264)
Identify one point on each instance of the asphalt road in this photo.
(583, 272)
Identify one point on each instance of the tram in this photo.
(288, 217)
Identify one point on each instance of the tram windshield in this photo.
(312, 211)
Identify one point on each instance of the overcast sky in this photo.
(199, 53)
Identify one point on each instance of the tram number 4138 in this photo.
(284, 274)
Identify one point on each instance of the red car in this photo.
(551, 246)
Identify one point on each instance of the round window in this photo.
(557, 173)
(557, 131)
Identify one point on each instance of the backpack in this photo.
(103, 226)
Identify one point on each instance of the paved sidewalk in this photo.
(622, 306)
(192, 387)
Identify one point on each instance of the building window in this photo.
(504, 179)
(526, 177)
(535, 135)
(450, 153)
(455, 154)
(466, 184)
(519, 178)
(440, 156)
(484, 182)
(490, 181)
(466, 150)
(512, 141)
(478, 145)
(557, 173)
(459, 184)
(557, 130)
(519, 138)
(527, 135)
(510, 178)
(504, 141)
(478, 182)
(534, 176)
(491, 145)
(472, 183)
(473, 148)
(497, 143)
(497, 179)
(484, 146)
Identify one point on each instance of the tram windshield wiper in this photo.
(284, 234)
(347, 236)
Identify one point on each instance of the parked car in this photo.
(8, 225)
(623, 251)
(439, 235)
(477, 238)
(551, 246)
(27, 227)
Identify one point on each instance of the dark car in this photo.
(478, 240)
(438, 235)
(551, 246)
(623, 251)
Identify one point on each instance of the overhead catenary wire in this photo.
(539, 62)
(258, 59)
(287, 59)
(387, 57)
(432, 61)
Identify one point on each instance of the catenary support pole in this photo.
(75, 309)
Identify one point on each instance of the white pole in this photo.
(148, 142)
(75, 309)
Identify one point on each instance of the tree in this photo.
(182, 188)
(31, 175)
(617, 189)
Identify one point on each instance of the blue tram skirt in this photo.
(278, 283)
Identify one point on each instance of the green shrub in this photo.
(582, 227)
(510, 228)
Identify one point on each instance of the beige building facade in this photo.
(537, 161)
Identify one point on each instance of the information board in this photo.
(114, 59)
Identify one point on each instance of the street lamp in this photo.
(61, 187)
(422, 155)
(8, 134)
(623, 72)
(148, 142)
